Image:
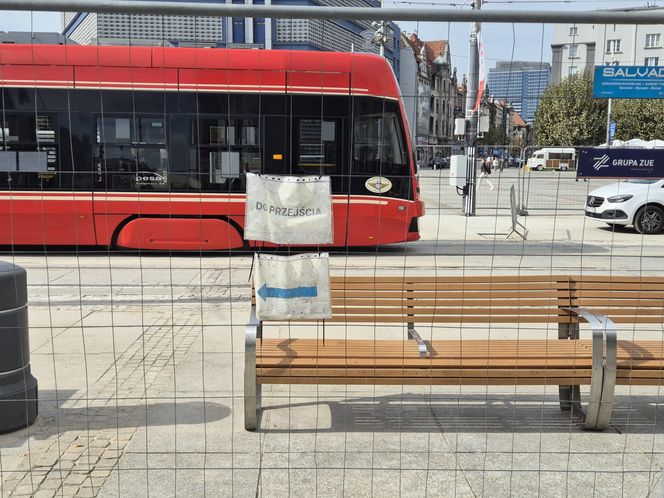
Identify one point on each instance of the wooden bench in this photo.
(527, 303)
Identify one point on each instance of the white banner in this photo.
(288, 209)
(292, 287)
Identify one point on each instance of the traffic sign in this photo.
(629, 82)
(612, 131)
(602, 162)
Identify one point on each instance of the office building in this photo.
(34, 37)
(520, 84)
(294, 34)
(577, 48)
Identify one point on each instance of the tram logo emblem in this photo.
(378, 185)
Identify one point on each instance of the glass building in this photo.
(521, 84)
(294, 34)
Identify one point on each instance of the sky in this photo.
(527, 41)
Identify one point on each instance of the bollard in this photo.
(18, 388)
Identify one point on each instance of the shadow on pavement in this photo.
(56, 417)
(468, 414)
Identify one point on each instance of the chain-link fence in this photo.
(456, 359)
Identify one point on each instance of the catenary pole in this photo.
(472, 116)
(176, 8)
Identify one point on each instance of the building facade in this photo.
(36, 37)
(577, 48)
(430, 92)
(519, 83)
(299, 34)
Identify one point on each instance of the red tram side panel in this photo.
(34, 212)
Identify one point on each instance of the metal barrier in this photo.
(493, 189)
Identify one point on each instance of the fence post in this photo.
(523, 209)
(18, 388)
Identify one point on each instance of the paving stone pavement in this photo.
(74, 462)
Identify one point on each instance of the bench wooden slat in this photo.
(460, 318)
(434, 381)
(460, 279)
(492, 310)
(438, 347)
(296, 354)
(450, 278)
(617, 295)
(448, 302)
(439, 294)
(466, 310)
(442, 286)
(424, 372)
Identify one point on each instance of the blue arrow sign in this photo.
(265, 292)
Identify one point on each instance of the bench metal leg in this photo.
(604, 365)
(609, 379)
(252, 390)
(570, 396)
(570, 399)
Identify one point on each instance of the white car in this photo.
(638, 202)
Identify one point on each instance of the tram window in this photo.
(133, 168)
(222, 150)
(7, 160)
(215, 131)
(152, 131)
(33, 137)
(317, 146)
(131, 153)
(377, 145)
(114, 130)
(28, 128)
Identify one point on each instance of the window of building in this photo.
(574, 31)
(652, 61)
(573, 70)
(653, 40)
(613, 47)
(573, 51)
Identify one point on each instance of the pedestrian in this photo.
(496, 163)
(486, 171)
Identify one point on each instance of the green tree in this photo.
(569, 115)
(638, 118)
(493, 137)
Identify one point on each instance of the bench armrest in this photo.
(604, 366)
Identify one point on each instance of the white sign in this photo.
(292, 287)
(288, 209)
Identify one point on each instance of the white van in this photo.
(560, 158)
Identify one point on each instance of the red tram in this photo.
(146, 148)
